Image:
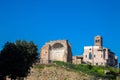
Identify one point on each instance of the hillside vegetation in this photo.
(67, 71)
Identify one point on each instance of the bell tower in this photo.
(98, 41)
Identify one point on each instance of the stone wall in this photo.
(77, 59)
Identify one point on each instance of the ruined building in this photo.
(59, 50)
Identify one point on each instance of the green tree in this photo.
(29, 50)
(9, 60)
(16, 59)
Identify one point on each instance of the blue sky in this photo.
(76, 20)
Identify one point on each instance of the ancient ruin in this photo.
(59, 50)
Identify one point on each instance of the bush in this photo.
(89, 67)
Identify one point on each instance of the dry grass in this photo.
(56, 73)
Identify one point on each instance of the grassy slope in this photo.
(68, 71)
(54, 72)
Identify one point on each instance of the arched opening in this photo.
(57, 45)
(90, 55)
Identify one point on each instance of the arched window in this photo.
(90, 55)
(57, 45)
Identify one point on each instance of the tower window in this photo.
(97, 41)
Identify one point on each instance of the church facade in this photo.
(59, 50)
(97, 55)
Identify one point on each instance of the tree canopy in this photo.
(16, 59)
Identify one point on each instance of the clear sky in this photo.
(76, 20)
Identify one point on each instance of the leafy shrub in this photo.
(89, 66)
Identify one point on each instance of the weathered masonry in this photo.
(59, 50)
(97, 55)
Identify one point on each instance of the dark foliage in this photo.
(17, 59)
